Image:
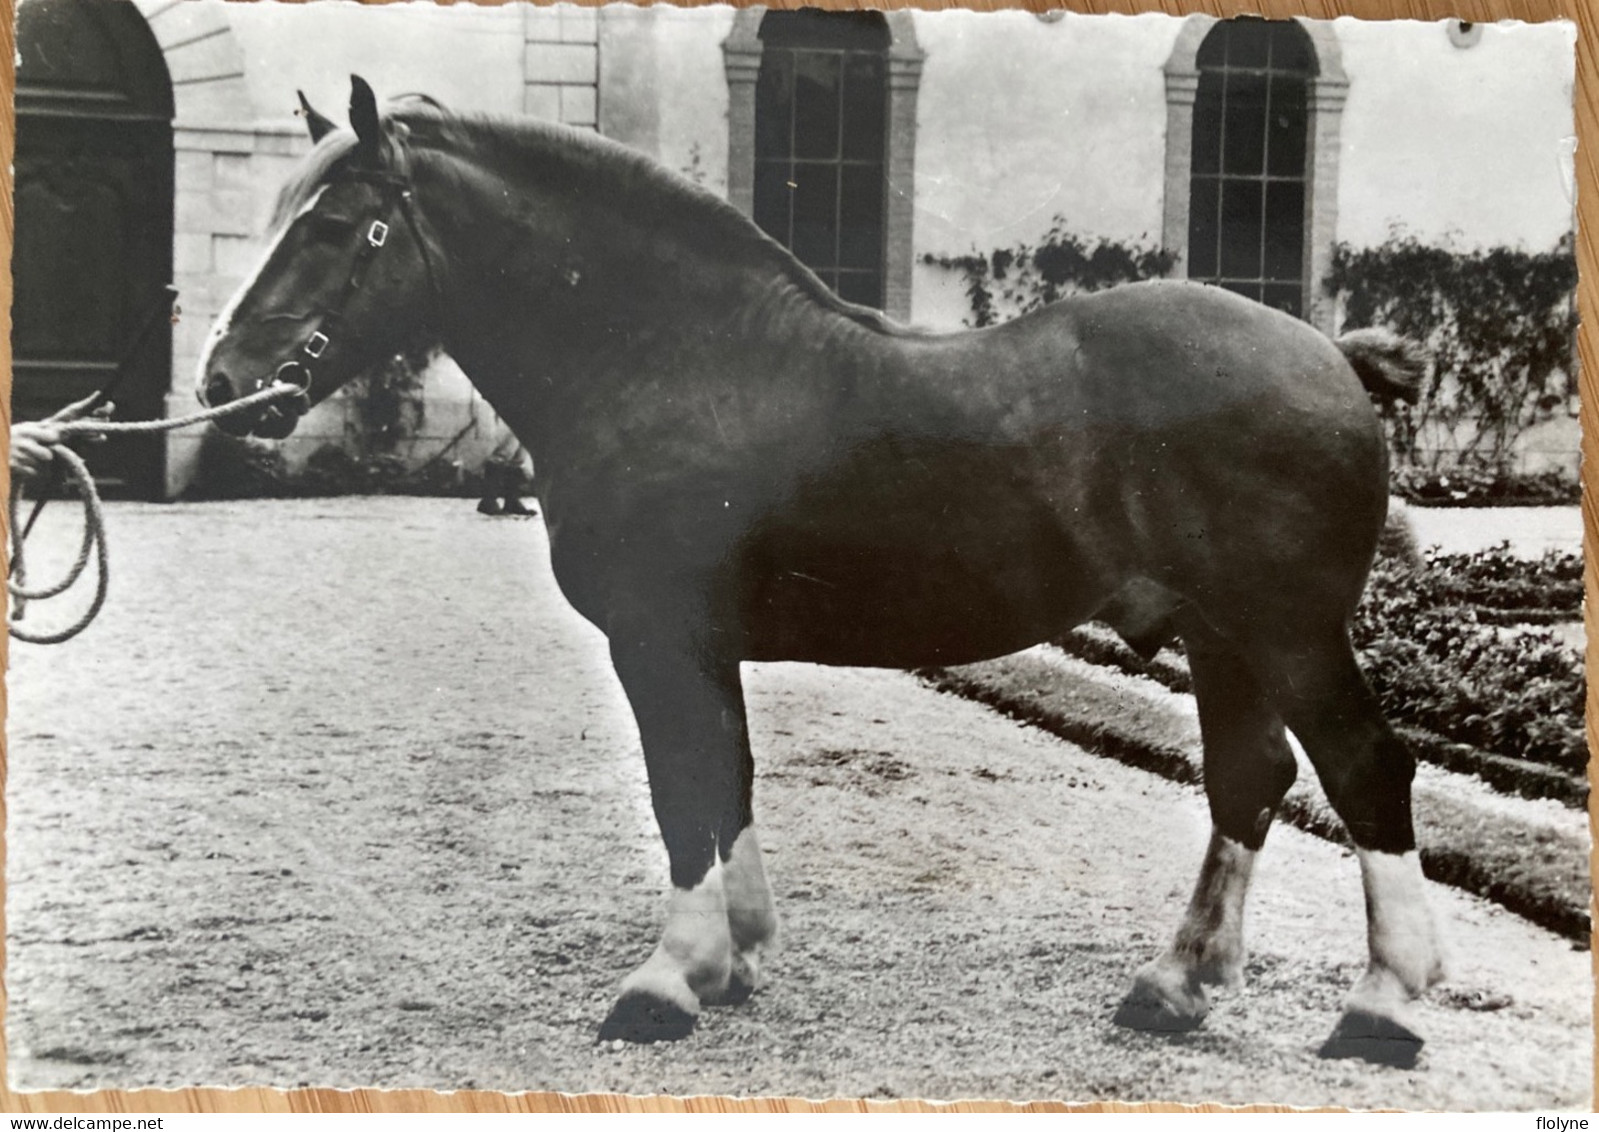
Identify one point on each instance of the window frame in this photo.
(805, 156)
(1326, 93)
(742, 53)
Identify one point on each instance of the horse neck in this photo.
(560, 303)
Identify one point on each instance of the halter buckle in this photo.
(378, 234)
(314, 345)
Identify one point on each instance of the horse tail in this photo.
(1390, 367)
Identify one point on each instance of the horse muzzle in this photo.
(272, 421)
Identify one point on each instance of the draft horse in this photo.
(734, 465)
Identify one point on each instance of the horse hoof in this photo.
(742, 979)
(1154, 1016)
(736, 993)
(1163, 1001)
(1374, 1038)
(644, 1019)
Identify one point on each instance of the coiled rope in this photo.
(94, 534)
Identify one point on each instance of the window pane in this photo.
(1247, 290)
(816, 27)
(1285, 134)
(1246, 42)
(816, 81)
(864, 86)
(816, 214)
(1207, 123)
(772, 199)
(821, 112)
(1202, 229)
(1244, 123)
(774, 103)
(864, 287)
(1284, 297)
(860, 212)
(1290, 47)
(1240, 229)
(1285, 227)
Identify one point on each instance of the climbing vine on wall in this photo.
(1007, 282)
(387, 404)
(1499, 325)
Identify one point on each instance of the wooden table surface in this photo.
(1584, 12)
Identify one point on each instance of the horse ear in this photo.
(319, 126)
(364, 114)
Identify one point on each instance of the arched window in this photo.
(1248, 197)
(822, 142)
(820, 124)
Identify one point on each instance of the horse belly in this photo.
(957, 576)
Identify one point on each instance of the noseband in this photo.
(396, 190)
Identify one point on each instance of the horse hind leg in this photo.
(1248, 769)
(1366, 772)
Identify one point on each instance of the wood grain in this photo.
(1584, 12)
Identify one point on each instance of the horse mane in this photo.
(535, 146)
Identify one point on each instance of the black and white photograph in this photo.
(906, 554)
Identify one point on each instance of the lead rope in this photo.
(94, 538)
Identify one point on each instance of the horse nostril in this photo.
(218, 390)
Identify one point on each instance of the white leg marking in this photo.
(1376, 1024)
(694, 958)
(1399, 926)
(1169, 992)
(1211, 939)
(751, 919)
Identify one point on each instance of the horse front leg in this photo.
(751, 918)
(719, 919)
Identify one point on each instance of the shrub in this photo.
(237, 468)
(387, 405)
(335, 470)
(231, 468)
(386, 409)
(1436, 662)
(1447, 648)
(1496, 579)
(1500, 325)
(1467, 485)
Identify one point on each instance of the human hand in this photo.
(31, 444)
(80, 409)
(32, 441)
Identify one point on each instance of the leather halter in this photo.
(396, 189)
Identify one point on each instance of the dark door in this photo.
(93, 221)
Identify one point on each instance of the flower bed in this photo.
(1431, 642)
(1468, 694)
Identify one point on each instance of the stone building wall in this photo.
(1017, 120)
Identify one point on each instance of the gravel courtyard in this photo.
(341, 793)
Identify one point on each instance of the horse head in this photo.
(347, 281)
